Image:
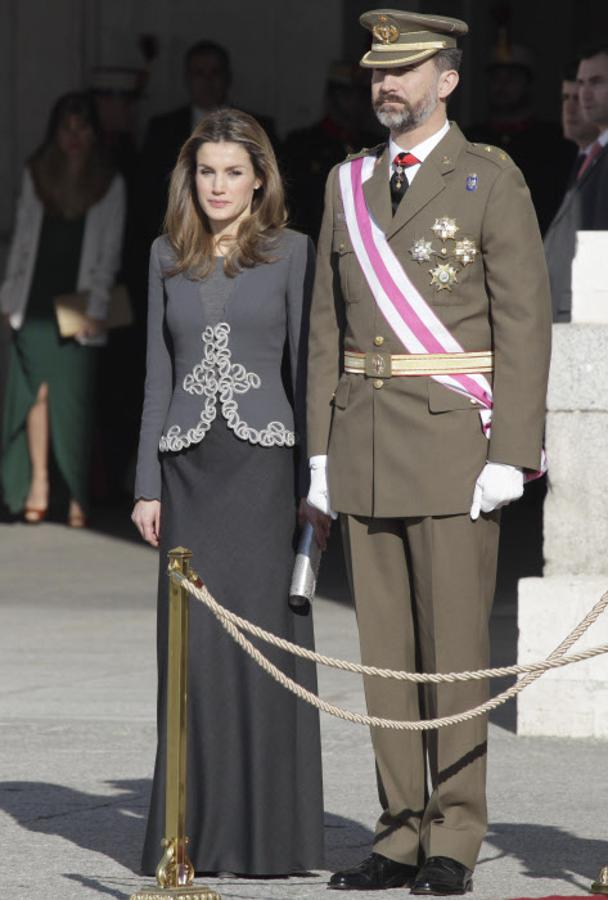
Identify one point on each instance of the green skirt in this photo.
(38, 355)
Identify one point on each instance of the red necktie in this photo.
(594, 151)
(399, 182)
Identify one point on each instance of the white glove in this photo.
(318, 494)
(497, 485)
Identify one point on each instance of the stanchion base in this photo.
(185, 893)
(601, 885)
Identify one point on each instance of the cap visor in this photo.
(373, 60)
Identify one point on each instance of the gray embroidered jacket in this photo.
(215, 347)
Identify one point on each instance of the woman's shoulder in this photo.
(115, 193)
(28, 185)
(117, 182)
(292, 243)
(162, 250)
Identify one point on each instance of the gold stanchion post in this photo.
(174, 873)
(601, 885)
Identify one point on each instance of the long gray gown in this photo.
(254, 798)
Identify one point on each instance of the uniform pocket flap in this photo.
(341, 242)
(442, 399)
(341, 394)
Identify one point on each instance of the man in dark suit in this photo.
(208, 78)
(575, 127)
(585, 205)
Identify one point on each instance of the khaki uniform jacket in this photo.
(407, 446)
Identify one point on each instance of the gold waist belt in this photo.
(377, 364)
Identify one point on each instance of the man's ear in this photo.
(447, 83)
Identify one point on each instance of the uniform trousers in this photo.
(423, 590)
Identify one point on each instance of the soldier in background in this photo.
(117, 91)
(536, 147)
(310, 153)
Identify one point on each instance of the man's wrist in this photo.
(317, 462)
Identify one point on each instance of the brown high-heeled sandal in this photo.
(76, 520)
(34, 515)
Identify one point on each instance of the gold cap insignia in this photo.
(385, 32)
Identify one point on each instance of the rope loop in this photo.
(235, 625)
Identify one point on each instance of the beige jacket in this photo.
(411, 447)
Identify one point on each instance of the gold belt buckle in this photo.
(378, 365)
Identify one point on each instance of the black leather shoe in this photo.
(376, 873)
(441, 876)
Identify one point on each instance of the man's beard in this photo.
(408, 117)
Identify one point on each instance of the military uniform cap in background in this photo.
(506, 54)
(344, 73)
(117, 80)
(401, 38)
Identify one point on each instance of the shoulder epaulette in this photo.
(487, 151)
(378, 150)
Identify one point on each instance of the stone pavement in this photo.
(77, 707)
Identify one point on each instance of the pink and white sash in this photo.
(406, 311)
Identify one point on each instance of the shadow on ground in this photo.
(547, 851)
(113, 824)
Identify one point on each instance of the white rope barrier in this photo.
(233, 624)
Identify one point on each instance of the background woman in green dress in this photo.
(67, 238)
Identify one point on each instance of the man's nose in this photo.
(389, 83)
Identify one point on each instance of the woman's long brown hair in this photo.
(59, 192)
(186, 224)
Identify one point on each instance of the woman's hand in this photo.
(319, 521)
(146, 518)
(92, 328)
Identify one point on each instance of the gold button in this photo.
(378, 383)
(378, 340)
(444, 250)
(473, 401)
(342, 246)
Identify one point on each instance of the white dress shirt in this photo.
(420, 151)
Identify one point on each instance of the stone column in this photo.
(572, 701)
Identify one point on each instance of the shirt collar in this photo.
(422, 150)
(603, 138)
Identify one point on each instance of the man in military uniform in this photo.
(430, 273)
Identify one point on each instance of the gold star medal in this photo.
(422, 250)
(445, 228)
(465, 251)
(444, 276)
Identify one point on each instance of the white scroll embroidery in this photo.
(217, 377)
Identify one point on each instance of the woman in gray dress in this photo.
(228, 294)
